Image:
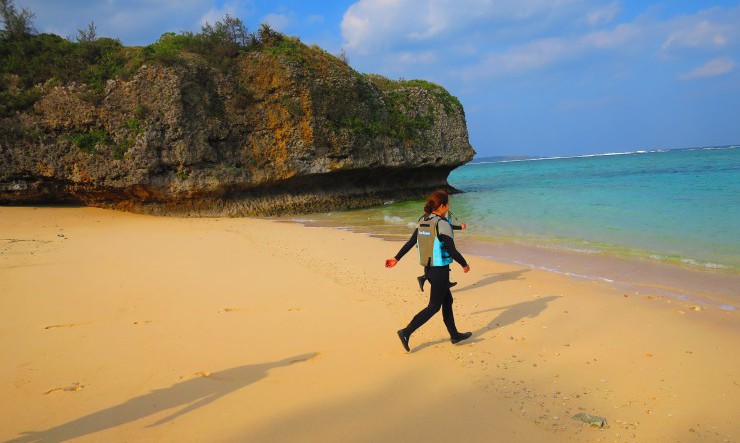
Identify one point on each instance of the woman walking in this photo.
(434, 238)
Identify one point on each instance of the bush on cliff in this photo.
(218, 44)
(15, 24)
(28, 61)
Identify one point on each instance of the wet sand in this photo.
(121, 327)
(705, 287)
(711, 287)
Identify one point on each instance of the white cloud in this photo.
(532, 55)
(603, 15)
(619, 36)
(712, 31)
(545, 52)
(371, 26)
(696, 35)
(496, 38)
(415, 58)
(236, 8)
(713, 68)
(279, 22)
(215, 15)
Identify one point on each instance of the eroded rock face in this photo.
(280, 134)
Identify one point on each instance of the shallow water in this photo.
(661, 221)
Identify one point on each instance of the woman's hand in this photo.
(391, 262)
(466, 269)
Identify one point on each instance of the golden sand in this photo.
(122, 327)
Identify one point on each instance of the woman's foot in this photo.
(404, 339)
(421, 281)
(459, 337)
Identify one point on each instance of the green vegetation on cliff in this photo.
(449, 101)
(219, 121)
(30, 61)
(398, 123)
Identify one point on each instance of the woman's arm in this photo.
(391, 262)
(450, 247)
(407, 247)
(444, 234)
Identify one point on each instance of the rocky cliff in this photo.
(292, 130)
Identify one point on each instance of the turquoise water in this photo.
(680, 206)
(676, 206)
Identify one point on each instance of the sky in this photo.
(536, 77)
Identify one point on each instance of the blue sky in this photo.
(536, 77)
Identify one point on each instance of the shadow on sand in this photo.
(493, 278)
(511, 314)
(488, 279)
(189, 395)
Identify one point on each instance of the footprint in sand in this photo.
(142, 322)
(69, 325)
(71, 388)
(230, 310)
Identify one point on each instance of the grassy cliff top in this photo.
(29, 60)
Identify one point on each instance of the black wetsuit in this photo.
(439, 278)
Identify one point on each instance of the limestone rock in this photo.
(591, 420)
(281, 133)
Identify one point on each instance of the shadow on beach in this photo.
(189, 395)
(511, 314)
(493, 278)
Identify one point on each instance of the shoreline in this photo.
(125, 327)
(709, 287)
(703, 286)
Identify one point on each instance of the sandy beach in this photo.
(122, 327)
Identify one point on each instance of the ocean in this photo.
(666, 221)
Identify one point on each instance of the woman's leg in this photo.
(438, 292)
(442, 280)
(447, 314)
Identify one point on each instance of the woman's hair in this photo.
(437, 199)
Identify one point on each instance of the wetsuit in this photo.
(439, 277)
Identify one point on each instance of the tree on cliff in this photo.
(229, 30)
(15, 24)
(89, 35)
(268, 36)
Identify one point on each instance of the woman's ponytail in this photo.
(428, 207)
(437, 199)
